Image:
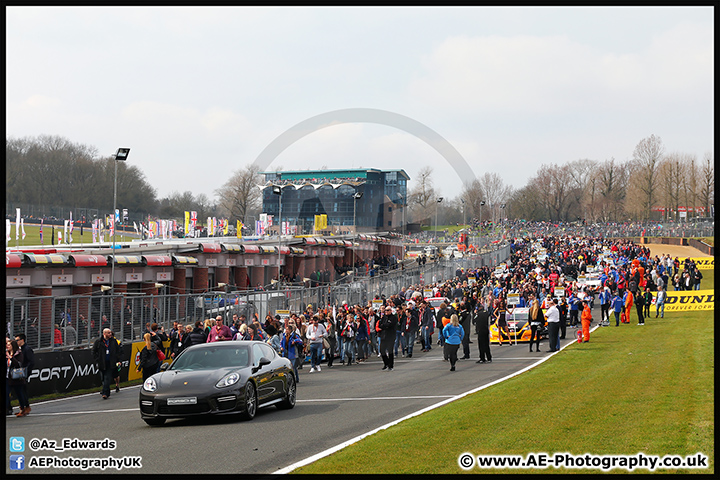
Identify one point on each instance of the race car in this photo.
(518, 327)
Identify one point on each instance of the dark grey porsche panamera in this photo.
(232, 377)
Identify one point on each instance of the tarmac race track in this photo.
(334, 406)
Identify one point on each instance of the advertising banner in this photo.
(59, 372)
(684, 300)
(135, 358)
(704, 263)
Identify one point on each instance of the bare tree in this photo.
(670, 172)
(554, 190)
(240, 195)
(613, 179)
(422, 198)
(581, 175)
(648, 154)
(707, 182)
(495, 193)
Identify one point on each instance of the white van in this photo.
(431, 252)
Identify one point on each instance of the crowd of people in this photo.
(474, 299)
(391, 327)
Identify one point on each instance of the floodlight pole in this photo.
(277, 190)
(120, 155)
(356, 196)
(440, 199)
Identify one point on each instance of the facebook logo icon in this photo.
(17, 462)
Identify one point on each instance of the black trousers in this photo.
(466, 346)
(534, 336)
(387, 347)
(563, 327)
(451, 352)
(553, 329)
(641, 318)
(604, 312)
(107, 379)
(484, 346)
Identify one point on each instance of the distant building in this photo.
(306, 193)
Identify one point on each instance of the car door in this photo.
(278, 372)
(263, 374)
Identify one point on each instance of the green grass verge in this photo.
(632, 389)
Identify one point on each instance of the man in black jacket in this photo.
(106, 353)
(481, 320)
(28, 364)
(177, 341)
(388, 328)
(465, 324)
(197, 336)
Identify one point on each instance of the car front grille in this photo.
(200, 407)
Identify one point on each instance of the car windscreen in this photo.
(212, 358)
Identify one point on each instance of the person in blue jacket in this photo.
(605, 299)
(617, 305)
(574, 303)
(453, 334)
(290, 342)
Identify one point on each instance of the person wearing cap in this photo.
(586, 319)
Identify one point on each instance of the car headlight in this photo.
(150, 385)
(227, 380)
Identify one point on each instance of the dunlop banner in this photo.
(684, 300)
(704, 263)
(135, 358)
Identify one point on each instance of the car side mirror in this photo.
(261, 363)
(164, 367)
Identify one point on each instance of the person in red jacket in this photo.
(58, 341)
(586, 319)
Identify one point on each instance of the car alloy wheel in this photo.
(250, 401)
(291, 394)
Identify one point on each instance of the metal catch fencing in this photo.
(69, 322)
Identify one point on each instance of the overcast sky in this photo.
(198, 93)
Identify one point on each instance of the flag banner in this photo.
(226, 226)
(71, 223)
(94, 230)
(239, 229)
(193, 220)
(125, 214)
(65, 228)
(8, 229)
(41, 231)
(214, 226)
(22, 225)
(17, 224)
(59, 237)
(187, 223)
(112, 226)
(117, 215)
(137, 232)
(209, 226)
